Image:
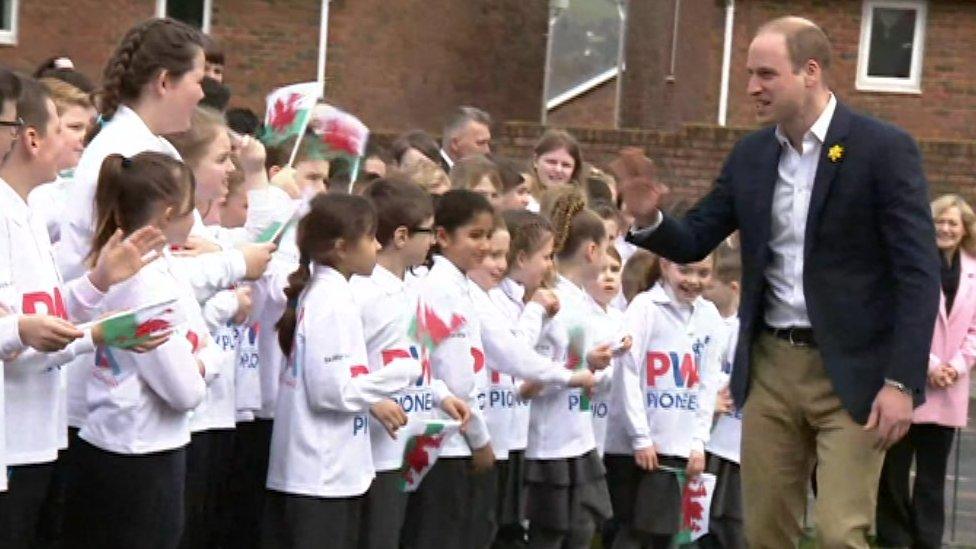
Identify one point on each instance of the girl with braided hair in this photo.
(566, 493)
(151, 86)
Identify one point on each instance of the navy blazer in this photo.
(871, 267)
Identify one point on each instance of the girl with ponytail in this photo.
(321, 461)
(131, 457)
(566, 492)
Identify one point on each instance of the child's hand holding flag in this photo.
(423, 447)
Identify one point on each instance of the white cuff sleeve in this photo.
(648, 229)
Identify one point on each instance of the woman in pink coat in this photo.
(917, 520)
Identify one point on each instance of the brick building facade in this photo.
(405, 63)
(944, 107)
(398, 64)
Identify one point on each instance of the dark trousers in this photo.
(20, 505)
(125, 501)
(50, 524)
(249, 476)
(384, 511)
(303, 522)
(915, 517)
(208, 469)
(450, 508)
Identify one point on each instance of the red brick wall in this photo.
(85, 30)
(593, 109)
(691, 158)
(397, 64)
(650, 99)
(945, 109)
(407, 63)
(267, 44)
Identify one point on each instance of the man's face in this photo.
(777, 92)
(474, 139)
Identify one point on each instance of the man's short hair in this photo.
(804, 41)
(9, 85)
(461, 117)
(32, 104)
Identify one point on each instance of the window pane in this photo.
(892, 42)
(584, 43)
(5, 15)
(188, 11)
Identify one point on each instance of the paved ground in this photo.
(965, 503)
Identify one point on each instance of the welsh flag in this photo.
(696, 505)
(288, 110)
(275, 231)
(423, 447)
(130, 329)
(429, 330)
(575, 359)
(340, 136)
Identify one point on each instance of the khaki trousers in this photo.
(792, 421)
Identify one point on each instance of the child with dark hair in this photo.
(321, 461)
(215, 94)
(215, 63)
(515, 193)
(406, 232)
(243, 121)
(440, 513)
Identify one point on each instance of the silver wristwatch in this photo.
(898, 385)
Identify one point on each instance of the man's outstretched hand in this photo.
(642, 194)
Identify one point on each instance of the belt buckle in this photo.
(794, 342)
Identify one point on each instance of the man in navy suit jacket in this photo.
(840, 288)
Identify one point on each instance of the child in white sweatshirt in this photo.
(321, 462)
(665, 391)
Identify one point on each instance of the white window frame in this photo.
(207, 10)
(910, 85)
(581, 88)
(9, 36)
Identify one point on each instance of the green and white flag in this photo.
(696, 504)
(288, 111)
(130, 329)
(423, 447)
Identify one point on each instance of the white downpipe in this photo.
(323, 45)
(723, 92)
(622, 9)
(674, 41)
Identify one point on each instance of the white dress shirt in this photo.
(785, 303)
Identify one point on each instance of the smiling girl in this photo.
(557, 162)
(666, 392)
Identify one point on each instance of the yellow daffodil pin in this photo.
(835, 153)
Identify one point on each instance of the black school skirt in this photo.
(558, 491)
(647, 501)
